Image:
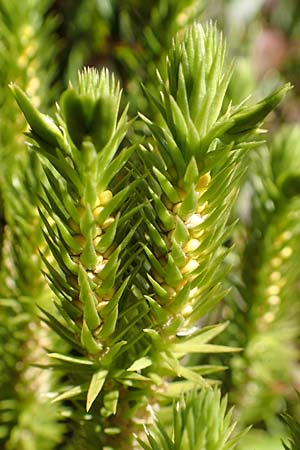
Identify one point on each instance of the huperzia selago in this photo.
(136, 234)
(199, 421)
(89, 227)
(26, 52)
(195, 159)
(267, 321)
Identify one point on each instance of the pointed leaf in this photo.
(95, 387)
(88, 341)
(71, 393)
(41, 124)
(140, 364)
(71, 359)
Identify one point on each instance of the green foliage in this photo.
(91, 239)
(131, 37)
(195, 162)
(26, 51)
(268, 317)
(199, 422)
(292, 443)
(146, 32)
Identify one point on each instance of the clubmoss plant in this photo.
(195, 158)
(200, 421)
(26, 51)
(90, 241)
(268, 317)
(136, 236)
